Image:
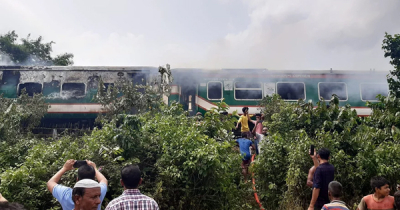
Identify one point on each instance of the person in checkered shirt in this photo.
(131, 198)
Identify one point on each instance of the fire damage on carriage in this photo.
(70, 90)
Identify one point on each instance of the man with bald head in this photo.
(86, 195)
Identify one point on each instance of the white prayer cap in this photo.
(87, 183)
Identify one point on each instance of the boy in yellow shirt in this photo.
(244, 120)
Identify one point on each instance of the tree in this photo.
(30, 51)
(391, 47)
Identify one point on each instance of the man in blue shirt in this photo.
(244, 146)
(64, 194)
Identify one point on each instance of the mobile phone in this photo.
(79, 163)
(312, 149)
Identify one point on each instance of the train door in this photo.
(9, 84)
(188, 98)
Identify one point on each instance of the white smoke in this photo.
(5, 60)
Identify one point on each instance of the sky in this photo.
(269, 34)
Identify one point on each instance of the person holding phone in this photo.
(86, 170)
(323, 175)
(311, 172)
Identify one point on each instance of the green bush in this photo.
(183, 167)
(360, 149)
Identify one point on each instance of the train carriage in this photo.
(70, 90)
(199, 89)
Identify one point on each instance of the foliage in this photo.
(184, 165)
(391, 47)
(360, 149)
(30, 51)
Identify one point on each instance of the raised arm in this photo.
(100, 177)
(69, 165)
(314, 158)
(255, 126)
(2, 199)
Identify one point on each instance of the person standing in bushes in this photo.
(257, 131)
(64, 194)
(380, 200)
(323, 175)
(311, 172)
(131, 198)
(259, 138)
(335, 193)
(244, 121)
(244, 147)
(258, 126)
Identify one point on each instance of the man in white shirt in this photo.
(259, 137)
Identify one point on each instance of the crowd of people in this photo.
(88, 194)
(326, 193)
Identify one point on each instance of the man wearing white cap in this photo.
(87, 170)
(86, 195)
(131, 198)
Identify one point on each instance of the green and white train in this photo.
(70, 90)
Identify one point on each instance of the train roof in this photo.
(79, 68)
(187, 70)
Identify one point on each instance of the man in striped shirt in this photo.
(334, 193)
(131, 198)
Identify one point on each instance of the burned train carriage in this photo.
(70, 90)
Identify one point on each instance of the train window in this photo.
(214, 90)
(291, 91)
(327, 89)
(93, 82)
(31, 88)
(107, 86)
(73, 89)
(371, 90)
(248, 91)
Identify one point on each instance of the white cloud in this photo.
(310, 35)
(285, 34)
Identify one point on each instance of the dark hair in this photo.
(244, 135)
(11, 206)
(245, 108)
(86, 172)
(130, 175)
(397, 199)
(324, 153)
(79, 191)
(378, 182)
(258, 115)
(335, 188)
